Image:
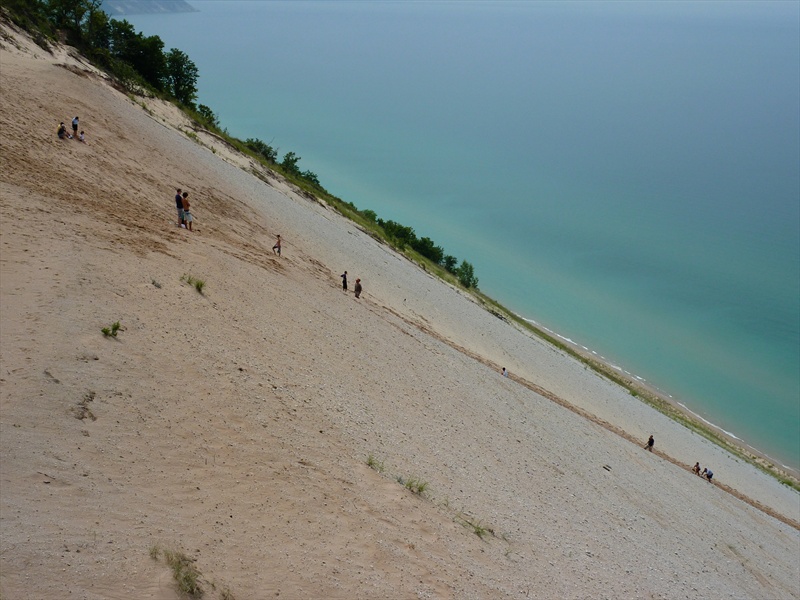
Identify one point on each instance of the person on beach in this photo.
(708, 474)
(505, 372)
(62, 131)
(187, 214)
(75, 127)
(357, 288)
(649, 445)
(344, 280)
(276, 249)
(82, 138)
(179, 205)
(696, 468)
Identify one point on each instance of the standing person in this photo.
(649, 445)
(75, 127)
(357, 288)
(179, 204)
(344, 280)
(276, 249)
(187, 214)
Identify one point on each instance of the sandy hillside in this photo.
(235, 424)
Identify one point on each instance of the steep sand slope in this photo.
(235, 424)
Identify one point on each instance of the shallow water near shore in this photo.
(624, 175)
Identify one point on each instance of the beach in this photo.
(237, 424)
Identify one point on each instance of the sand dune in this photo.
(235, 425)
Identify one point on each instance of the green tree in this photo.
(181, 77)
(466, 275)
(268, 152)
(311, 178)
(144, 54)
(450, 262)
(427, 248)
(370, 215)
(289, 163)
(208, 114)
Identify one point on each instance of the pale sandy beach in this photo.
(235, 424)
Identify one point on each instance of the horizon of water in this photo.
(625, 174)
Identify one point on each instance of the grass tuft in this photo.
(416, 485)
(185, 573)
(374, 463)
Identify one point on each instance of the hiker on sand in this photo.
(179, 204)
(75, 127)
(649, 445)
(276, 249)
(187, 214)
(344, 280)
(357, 288)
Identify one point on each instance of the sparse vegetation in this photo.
(475, 525)
(184, 570)
(376, 464)
(111, 331)
(416, 485)
(198, 284)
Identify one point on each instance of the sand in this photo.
(235, 424)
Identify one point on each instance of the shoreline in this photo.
(633, 382)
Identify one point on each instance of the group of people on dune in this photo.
(63, 134)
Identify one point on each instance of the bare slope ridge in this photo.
(235, 424)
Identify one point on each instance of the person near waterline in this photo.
(650, 443)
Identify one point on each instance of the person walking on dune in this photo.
(344, 280)
(276, 249)
(187, 213)
(179, 204)
(357, 288)
(650, 443)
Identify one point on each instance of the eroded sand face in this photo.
(236, 424)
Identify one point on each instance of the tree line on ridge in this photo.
(140, 62)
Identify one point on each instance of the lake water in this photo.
(626, 174)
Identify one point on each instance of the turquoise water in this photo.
(627, 174)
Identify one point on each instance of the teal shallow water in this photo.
(625, 174)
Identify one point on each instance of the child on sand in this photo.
(357, 288)
(82, 138)
(187, 215)
(276, 249)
